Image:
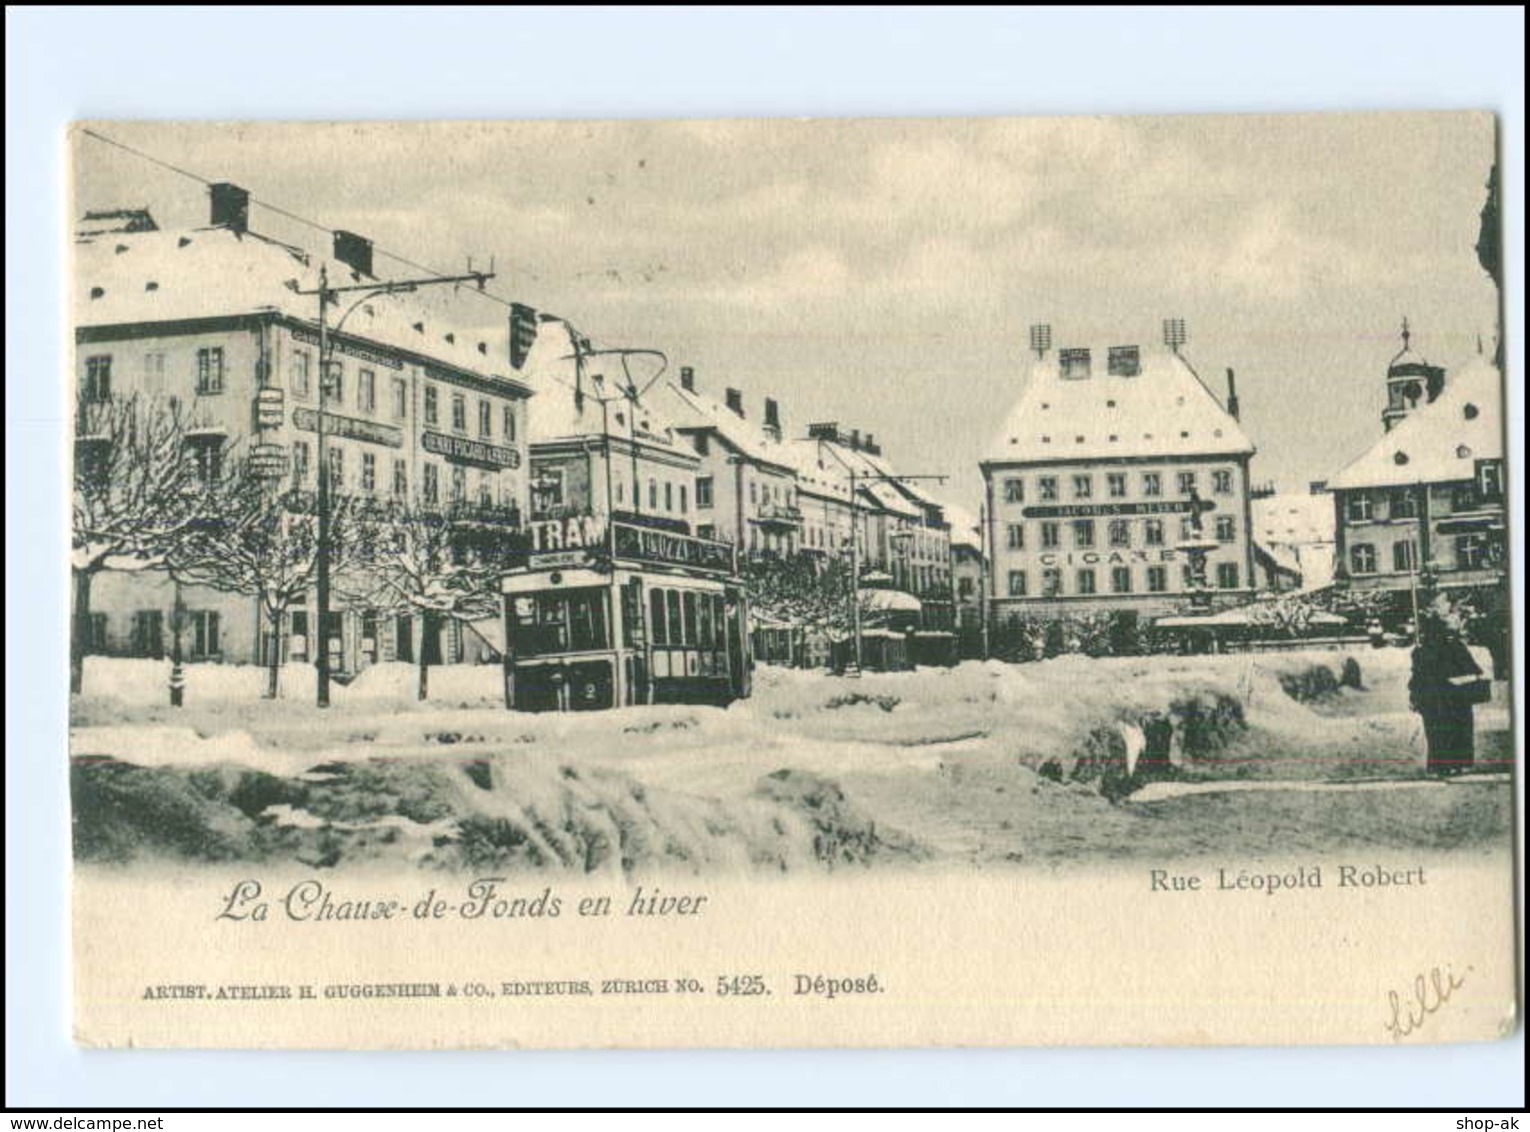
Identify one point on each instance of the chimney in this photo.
(736, 401)
(855, 439)
(1174, 333)
(871, 445)
(824, 430)
(688, 379)
(1317, 487)
(1232, 394)
(1041, 338)
(773, 418)
(354, 251)
(230, 207)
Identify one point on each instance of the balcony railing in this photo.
(779, 514)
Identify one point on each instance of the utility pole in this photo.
(328, 296)
(855, 546)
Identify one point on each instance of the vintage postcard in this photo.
(790, 583)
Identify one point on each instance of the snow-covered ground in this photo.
(983, 763)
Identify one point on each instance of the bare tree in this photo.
(137, 489)
(263, 543)
(1289, 615)
(426, 563)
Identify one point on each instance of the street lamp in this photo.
(329, 296)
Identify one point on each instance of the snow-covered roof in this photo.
(890, 601)
(607, 405)
(1293, 517)
(124, 278)
(818, 472)
(964, 527)
(1163, 410)
(1440, 441)
(1249, 615)
(688, 408)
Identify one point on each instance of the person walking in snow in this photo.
(1445, 685)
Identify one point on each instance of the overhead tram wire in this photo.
(293, 216)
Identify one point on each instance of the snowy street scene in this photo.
(746, 498)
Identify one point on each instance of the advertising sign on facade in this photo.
(349, 428)
(1090, 510)
(478, 453)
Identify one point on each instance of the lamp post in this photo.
(329, 296)
(177, 671)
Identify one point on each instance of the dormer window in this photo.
(1074, 363)
(1124, 361)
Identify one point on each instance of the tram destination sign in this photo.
(649, 544)
(479, 453)
(1091, 510)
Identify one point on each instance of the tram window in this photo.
(690, 619)
(656, 616)
(587, 621)
(705, 622)
(565, 622)
(720, 620)
(676, 625)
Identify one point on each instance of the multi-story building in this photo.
(746, 490)
(212, 318)
(903, 532)
(968, 576)
(602, 446)
(1094, 485)
(1293, 538)
(1428, 496)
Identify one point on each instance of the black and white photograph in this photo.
(485, 530)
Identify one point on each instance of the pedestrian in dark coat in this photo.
(1443, 689)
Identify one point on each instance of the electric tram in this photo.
(602, 614)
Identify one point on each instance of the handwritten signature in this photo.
(1430, 992)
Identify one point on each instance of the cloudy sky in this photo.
(884, 273)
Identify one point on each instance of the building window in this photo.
(1227, 575)
(302, 374)
(459, 484)
(95, 633)
(1227, 528)
(209, 371)
(368, 473)
(509, 424)
(1073, 363)
(336, 469)
(653, 495)
(485, 420)
(206, 457)
(1186, 528)
(1086, 581)
(1403, 505)
(1362, 558)
(1083, 487)
(432, 484)
(1120, 532)
(1404, 557)
(485, 489)
(301, 459)
(704, 493)
(1050, 534)
(204, 635)
(1358, 507)
(1152, 483)
(669, 496)
(1015, 533)
(1046, 488)
(1083, 532)
(400, 480)
(432, 405)
(1152, 532)
(333, 390)
(1157, 579)
(1471, 552)
(1014, 490)
(1221, 481)
(1463, 497)
(1016, 583)
(1186, 482)
(400, 398)
(154, 373)
(366, 391)
(1124, 361)
(1121, 579)
(684, 505)
(148, 636)
(1116, 485)
(1490, 481)
(98, 378)
(1051, 582)
(459, 413)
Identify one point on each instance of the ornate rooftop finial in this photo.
(1406, 334)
